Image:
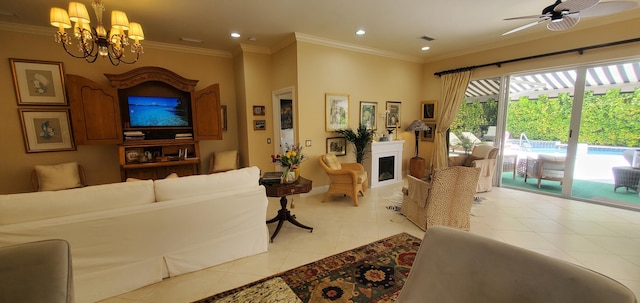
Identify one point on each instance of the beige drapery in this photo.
(454, 86)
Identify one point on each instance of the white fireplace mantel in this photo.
(384, 151)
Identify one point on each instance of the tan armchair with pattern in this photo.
(444, 200)
(349, 179)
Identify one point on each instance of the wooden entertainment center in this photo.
(100, 116)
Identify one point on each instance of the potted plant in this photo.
(465, 143)
(360, 139)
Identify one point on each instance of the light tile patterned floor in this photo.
(598, 237)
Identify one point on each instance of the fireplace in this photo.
(384, 163)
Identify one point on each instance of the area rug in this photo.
(374, 272)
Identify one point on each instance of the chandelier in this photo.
(97, 41)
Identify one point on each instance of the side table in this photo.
(626, 176)
(301, 185)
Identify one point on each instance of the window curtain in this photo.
(454, 86)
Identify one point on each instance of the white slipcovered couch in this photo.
(127, 235)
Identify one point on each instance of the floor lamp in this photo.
(417, 164)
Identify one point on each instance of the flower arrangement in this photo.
(290, 160)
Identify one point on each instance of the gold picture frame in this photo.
(259, 124)
(259, 110)
(393, 110)
(428, 109)
(428, 135)
(223, 117)
(336, 111)
(38, 82)
(368, 114)
(46, 130)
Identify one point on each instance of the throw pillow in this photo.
(332, 161)
(225, 160)
(468, 162)
(59, 176)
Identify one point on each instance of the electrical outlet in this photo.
(307, 143)
(268, 140)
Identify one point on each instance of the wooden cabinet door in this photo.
(95, 112)
(205, 107)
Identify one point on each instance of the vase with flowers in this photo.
(290, 162)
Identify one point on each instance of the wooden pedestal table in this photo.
(301, 185)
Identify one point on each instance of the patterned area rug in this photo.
(371, 273)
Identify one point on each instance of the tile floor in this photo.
(598, 237)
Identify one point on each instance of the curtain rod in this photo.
(580, 50)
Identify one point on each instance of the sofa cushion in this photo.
(25, 207)
(58, 176)
(225, 160)
(331, 161)
(189, 186)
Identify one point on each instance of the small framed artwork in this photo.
(428, 111)
(223, 117)
(393, 114)
(46, 130)
(337, 146)
(286, 114)
(368, 112)
(133, 154)
(38, 82)
(259, 124)
(336, 111)
(427, 135)
(258, 110)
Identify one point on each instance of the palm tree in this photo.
(359, 139)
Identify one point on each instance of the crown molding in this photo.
(255, 49)
(356, 48)
(48, 31)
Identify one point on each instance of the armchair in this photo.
(344, 178)
(545, 167)
(445, 200)
(484, 157)
(453, 266)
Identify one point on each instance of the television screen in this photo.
(147, 111)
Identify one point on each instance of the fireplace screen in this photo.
(386, 168)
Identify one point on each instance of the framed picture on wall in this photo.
(427, 135)
(223, 117)
(393, 114)
(428, 111)
(38, 82)
(337, 146)
(259, 124)
(46, 130)
(368, 112)
(258, 110)
(336, 111)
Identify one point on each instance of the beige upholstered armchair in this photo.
(453, 266)
(344, 178)
(445, 200)
(545, 167)
(484, 157)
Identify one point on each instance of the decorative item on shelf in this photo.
(390, 137)
(417, 163)
(290, 162)
(360, 139)
(97, 41)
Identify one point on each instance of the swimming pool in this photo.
(548, 147)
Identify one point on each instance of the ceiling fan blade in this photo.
(607, 8)
(564, 24)
(528, 17)
(517, 29)
(575, 5)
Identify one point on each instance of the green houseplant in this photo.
(360, 139)
(465, 143)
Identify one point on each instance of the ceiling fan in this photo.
(565, 15)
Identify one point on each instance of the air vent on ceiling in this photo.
(427, 38)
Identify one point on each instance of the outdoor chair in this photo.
(454, 266)
(484, 157)
(446, 199)
(349, 179)
(545, 167)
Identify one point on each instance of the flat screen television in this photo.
(146, 111)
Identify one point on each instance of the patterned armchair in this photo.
(445, 200)
(484, 157)
(344, 178)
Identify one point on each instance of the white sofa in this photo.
(127, 235)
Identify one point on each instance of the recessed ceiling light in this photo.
(360, 32)
(235, 35)
(424, 48)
